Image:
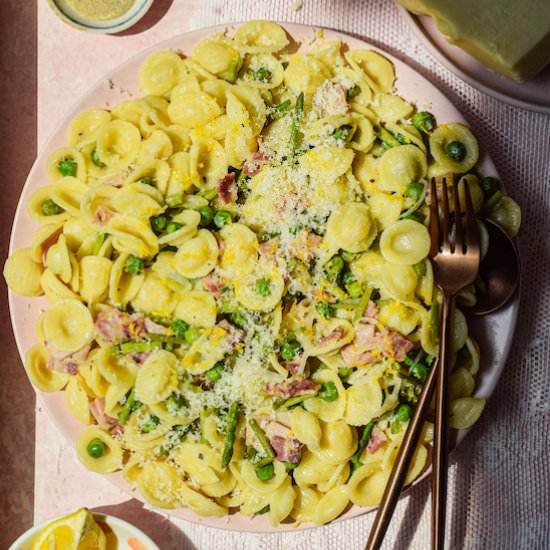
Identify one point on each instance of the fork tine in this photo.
(472, 229)
(434, 219)
(446, 243)
(459, 234)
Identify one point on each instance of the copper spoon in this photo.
(500, 270)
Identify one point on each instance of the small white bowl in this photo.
(122, 529)
(111, 26)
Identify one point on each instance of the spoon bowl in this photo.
(499, 269)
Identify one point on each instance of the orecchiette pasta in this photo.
(242, 306)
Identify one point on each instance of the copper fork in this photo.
(456, 263)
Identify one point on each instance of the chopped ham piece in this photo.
(401, 345)
(67, 362)
(114, 180)
(214, 284)
(117, 431)
(377, 439)
(227, 189)
(97, 408)
(103, 215)
(252, 166)
(286, 447)
(372, 311)
(297, 366)
(269, 248)
(235, 334)
(112, 324)
(370, 345)
(334, 335)
(290, 388)
(154, 328)
(48, 243)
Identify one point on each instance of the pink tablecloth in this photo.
(499, 477)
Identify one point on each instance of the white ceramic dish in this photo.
(119, 24)
(121, 532)
(494, 332)
(533, 94)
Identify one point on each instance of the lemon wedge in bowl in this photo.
(76, 531)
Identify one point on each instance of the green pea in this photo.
(263, 286)
(420, 269)
(237, 318)
(420, 371)
(353, 91)
(414, 190)
(192, 334)
(223, 217)
(133, 265)
(456, 150)
(67, 167)
(215, 373)
(147, 180)
(96, 448)
(489, 186)
(404, 412)
(333, 268)
(290, 349)
(158, 223)
(179, 328)
(328, 392)
(173, 226)
(424, 121)
(207, 215)
(96, 160)
(50, 208)
(265, 472)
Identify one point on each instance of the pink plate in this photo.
(494, 332)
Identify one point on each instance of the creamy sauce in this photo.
(96, 10)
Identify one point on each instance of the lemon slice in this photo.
(76, 531)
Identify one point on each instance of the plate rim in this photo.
(413, 23)
(191, 37)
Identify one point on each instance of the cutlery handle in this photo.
(440, 457)
(401, 465)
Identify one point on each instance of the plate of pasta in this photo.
(232, 307)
